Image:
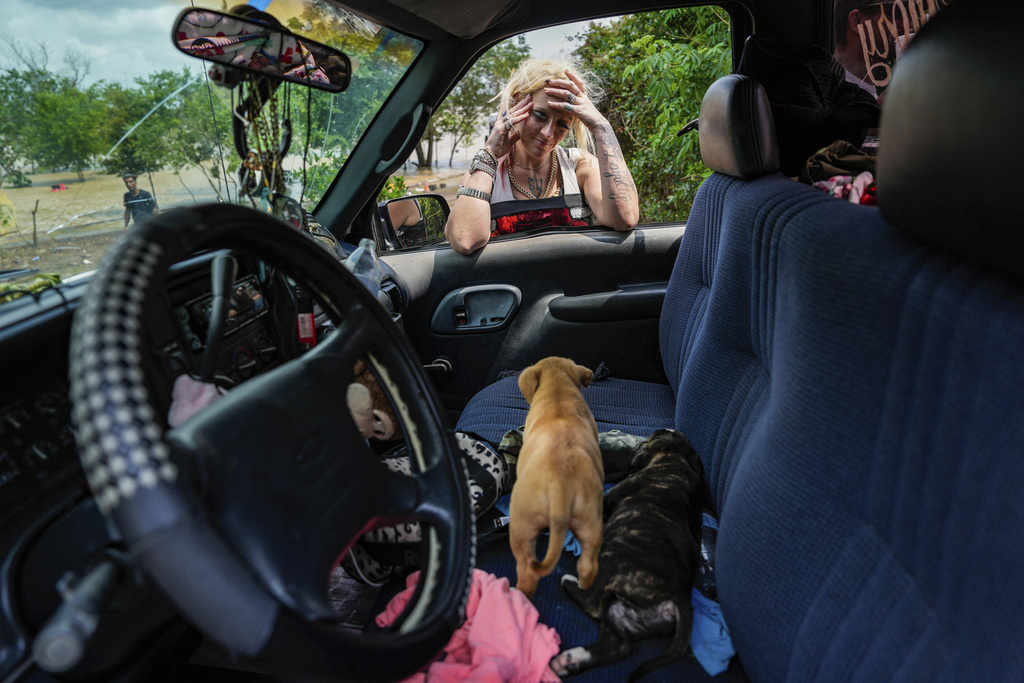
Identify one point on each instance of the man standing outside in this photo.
(138, 204)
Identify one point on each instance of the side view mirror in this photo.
(415, 221)
(259, 45)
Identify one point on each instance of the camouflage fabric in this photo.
(10, 291)
(617, 449)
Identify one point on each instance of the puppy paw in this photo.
(568, 579)
(570, 661)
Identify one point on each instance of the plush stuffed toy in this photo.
(360, 404)
(369, 405)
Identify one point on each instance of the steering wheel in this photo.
(241, 513)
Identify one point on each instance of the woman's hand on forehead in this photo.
(570, 95)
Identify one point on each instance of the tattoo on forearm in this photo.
(619, 176)
(616, 171)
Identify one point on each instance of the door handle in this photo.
(478, 308)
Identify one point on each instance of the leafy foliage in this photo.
(467, 106)
(8, 221)
(394, 187)
(47, 118)
(145, 150)
(171, 120)
(655, 68)
(18, 178)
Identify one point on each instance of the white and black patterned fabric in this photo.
(385, 552)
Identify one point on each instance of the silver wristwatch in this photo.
(479, 165)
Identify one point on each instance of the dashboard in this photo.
(258, 330)
(53, 540)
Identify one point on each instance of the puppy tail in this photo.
(676, 649)
(556, 538)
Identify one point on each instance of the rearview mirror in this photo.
(260, 47)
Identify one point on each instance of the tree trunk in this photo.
(455, 144)
(426, 161)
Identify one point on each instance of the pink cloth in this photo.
(859, 189)
(505, 643)
(188, 397)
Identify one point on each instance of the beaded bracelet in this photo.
(482, 162)
(489, 153)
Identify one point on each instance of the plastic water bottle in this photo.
(365, 264)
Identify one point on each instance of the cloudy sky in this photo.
(117, 36)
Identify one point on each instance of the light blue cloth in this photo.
(571, 544)
(710, 639)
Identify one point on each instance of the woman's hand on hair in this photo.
(570, 95)
(504, 134)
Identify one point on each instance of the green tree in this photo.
(142, 122)
(467, 106)
(63, 120)
(199, 130)
(25, 73)
(670, 59)
(13, 124)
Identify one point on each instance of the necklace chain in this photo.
(527, 193)
(529, 168)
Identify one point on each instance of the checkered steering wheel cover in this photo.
(120, 441)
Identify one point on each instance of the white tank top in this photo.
(567, 160)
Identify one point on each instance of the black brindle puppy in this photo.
(649, 559)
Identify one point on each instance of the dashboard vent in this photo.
(394, 293)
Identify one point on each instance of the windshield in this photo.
(104, 121)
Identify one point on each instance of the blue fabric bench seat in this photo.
(629, 406)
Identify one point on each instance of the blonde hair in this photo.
(531, 75)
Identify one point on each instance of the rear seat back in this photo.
(855, 395)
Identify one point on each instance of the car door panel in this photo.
(629, 302)
(592, 296)
(477, 308)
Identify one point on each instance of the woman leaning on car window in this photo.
(523, 178)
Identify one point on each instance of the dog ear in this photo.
(584, 375)
(529, 380)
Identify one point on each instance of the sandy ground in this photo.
(67, 231)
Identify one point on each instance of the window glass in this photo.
(871, 35)
(653, 69)
(98, 89)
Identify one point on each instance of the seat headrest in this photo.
(737, 133)
(951, 143)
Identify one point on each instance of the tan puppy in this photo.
(559, 475)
